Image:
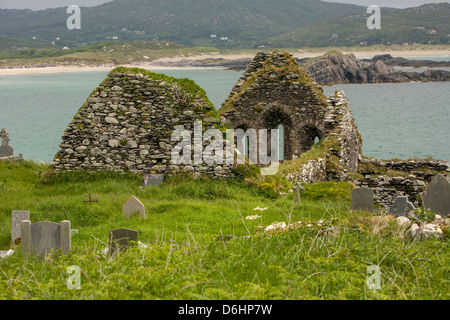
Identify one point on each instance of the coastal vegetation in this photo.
(142, 52)
(196, 242)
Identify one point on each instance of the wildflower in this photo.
(254, 217)
(274, 226)
(260, 209)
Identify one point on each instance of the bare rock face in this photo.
(335, 68)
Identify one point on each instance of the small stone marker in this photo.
(437, 197)
(5, 149)
(153, 179)
(119, 239)
(16, 218)
(401, 207)
(41, 237)
(299, 188)
(133, 205)
(362, 199)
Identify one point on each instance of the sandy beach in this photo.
(153, 66)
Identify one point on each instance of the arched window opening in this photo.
(308, 137)
(245, 142)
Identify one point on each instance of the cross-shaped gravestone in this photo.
(5, 149)
(5, 137)
(133, 205)
(119, 239)
(299, 188)
(90, 200)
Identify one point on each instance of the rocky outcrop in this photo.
(337, 68)
(402, 62)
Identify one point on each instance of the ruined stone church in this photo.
(127, 122)
(275, 92)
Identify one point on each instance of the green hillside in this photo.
(183, 21)
(427, 24)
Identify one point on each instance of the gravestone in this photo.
(41, 237)
(362, 199)
(16, 218)
(119, 239)
(5, 149)
(437, 196)
(299, 188)
(133, 205)
(401, 207)
(153, 179)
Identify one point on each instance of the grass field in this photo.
(196, 243)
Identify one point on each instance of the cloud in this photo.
(387, 3)
(45, 4)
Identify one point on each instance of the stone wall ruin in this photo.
(275, 91)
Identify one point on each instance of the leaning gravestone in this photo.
(401, 207)
(42, 237)
(437, 197)
(16, 218)
(362, 199)
(119, 239)
(153, 179)
(133, 205)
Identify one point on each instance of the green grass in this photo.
(201, 246)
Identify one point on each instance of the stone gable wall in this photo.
(274, 90)
(126, 125)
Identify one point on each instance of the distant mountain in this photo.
(427, 24)
(235, 23)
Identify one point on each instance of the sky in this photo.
(44, 4)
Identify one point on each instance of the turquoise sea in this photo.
(396, 120)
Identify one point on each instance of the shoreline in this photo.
(153, 66)
(72, 69)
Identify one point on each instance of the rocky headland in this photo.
(337, 68)
(402, 62)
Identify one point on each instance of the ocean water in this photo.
(395, 120)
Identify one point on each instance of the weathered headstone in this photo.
(299, 188)
(16, 218)
(153, 179)
(401, 207)
(120, 239)
(437, 196)
(362, 199)
(5, 149)
(41, 237)
(133, 205)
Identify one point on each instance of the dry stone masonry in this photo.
(274, 90)
(127, 123)
(411, 179)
